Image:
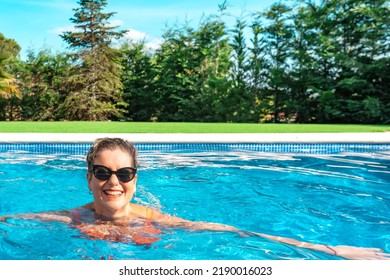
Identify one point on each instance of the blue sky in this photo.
(36, 24)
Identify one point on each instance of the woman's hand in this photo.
(359, 253)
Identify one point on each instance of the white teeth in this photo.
(113, 192)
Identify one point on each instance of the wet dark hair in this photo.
(102, 144)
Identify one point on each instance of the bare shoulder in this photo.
(145, 212)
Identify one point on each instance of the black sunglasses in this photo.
(125, 174)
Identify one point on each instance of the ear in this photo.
(89, 176)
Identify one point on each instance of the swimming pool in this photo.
(320, 193)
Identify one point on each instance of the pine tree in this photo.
(278, 33)
(96, 87)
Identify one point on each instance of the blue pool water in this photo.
(333, 194)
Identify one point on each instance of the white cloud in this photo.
(154, 45)
(132, 35)
(151, 44)
(135, 35)
(61, 30)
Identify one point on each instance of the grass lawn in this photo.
(149, 127)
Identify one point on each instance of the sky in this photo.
(36, 24)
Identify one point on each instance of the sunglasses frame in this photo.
(95, 166)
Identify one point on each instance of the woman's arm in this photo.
(347, 252)
(175, 222)
(61, 216)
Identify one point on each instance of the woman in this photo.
(112, 178)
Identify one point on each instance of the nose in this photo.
(113, 180)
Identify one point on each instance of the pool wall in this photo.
(303, 143)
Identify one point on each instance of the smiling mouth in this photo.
(112, 193)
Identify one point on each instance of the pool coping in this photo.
(350, 137)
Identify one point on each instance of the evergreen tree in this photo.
(352, 54)
(191, 71)
(96, 87)
(257, 72)
(304, 74)
(214, 69)
(240, 99)
(278, 33)
(137, 80)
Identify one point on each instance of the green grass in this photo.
(149, 127)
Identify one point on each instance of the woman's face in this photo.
(112, 197)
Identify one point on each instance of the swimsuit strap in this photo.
(149, 214)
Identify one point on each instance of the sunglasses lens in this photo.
(102, 173)
(125, 174)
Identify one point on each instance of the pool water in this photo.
(337, 198)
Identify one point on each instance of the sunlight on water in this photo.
(335, 199)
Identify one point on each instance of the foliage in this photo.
(9, 50)
(96, 87)
(41, 83)
(349, 39)
(306, 61)
(137, 79)
(191, 73)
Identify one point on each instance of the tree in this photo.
(240, 99)
(9, 50)
(258, 74)
(211, 103)
(353, 53)
(137, 78)
(96, 87)
(191, 72)
(278, 32)
(43, 84)
(175, 74)
(304, 73)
